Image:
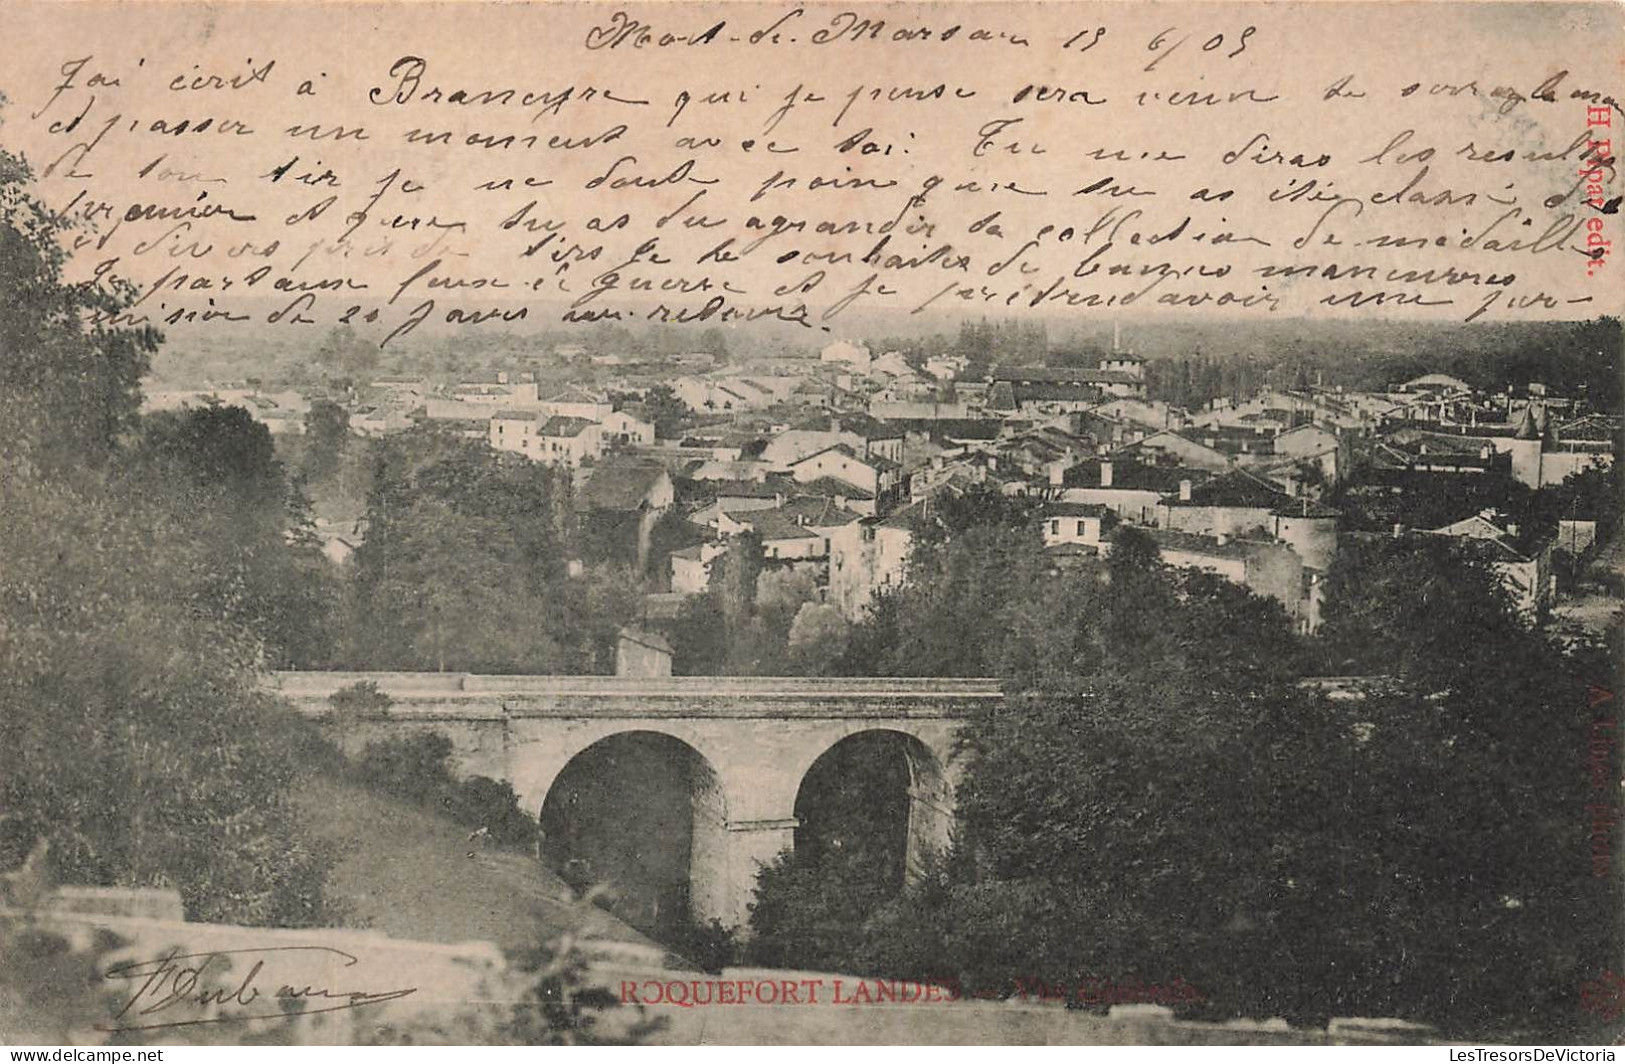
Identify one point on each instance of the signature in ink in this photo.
(187, 989)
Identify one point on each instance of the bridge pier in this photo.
(753, 844)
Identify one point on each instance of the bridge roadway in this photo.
(749, 741)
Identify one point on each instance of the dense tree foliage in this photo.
(715, 632)
(344, 354)
(1160, 797)
(69, 379)
(136, 743)
(670, 413)
(1190, 364)
(327, 438)
(986, 343)
(464, 565)
(215, 467)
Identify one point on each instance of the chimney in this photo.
(642, 653)
(1222, 538)
(1184, 491)
(1512, 529)
(1057, 474)
(1399, 530)
(1105, 474)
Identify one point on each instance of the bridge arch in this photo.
(643, 815)
(882, 788)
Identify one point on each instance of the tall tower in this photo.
(1526, 448)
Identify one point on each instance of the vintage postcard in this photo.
(740, 523)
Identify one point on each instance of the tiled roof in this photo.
(870, 428)
(619, 486)
(1236, 489)
(903, 518)
(1133, 476)
(1063, 375)
(834, 488)
(1077, 509)
(775, 524)
(559, 425)
(843, 449)
(1303, 506)
(1590, 427)
(574, 394)
(819, 511)
(1191, 543)
(1056, 391)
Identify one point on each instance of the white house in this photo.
(513, 430)
(626, 428)
(1084, 524)
(866, 557)
(876, 475)
(691, 567)
(792, 445)
(576, 402)
(568, 441)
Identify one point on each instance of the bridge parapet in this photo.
(472, 696)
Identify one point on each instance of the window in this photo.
(1055, 528)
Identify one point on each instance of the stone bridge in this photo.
(741, 748)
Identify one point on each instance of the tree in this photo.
(1159, 797)
(327, 432)
(136, 740)
(344, 354)
(809, 913)
(463, 566)
(780, 596)
(668, 411)
(1422, 607)
(69, 381)
(739, 625)
(817, 639)
(217, 466)
(713, 341)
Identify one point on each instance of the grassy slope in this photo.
(407, 872)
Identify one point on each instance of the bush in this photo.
(480, 801)
(360, 701)
(710, 946)
(415, 767)
(811, 910)
(418, 768)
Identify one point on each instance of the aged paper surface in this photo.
(1272, 284)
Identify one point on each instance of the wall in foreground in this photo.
(463, 993)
